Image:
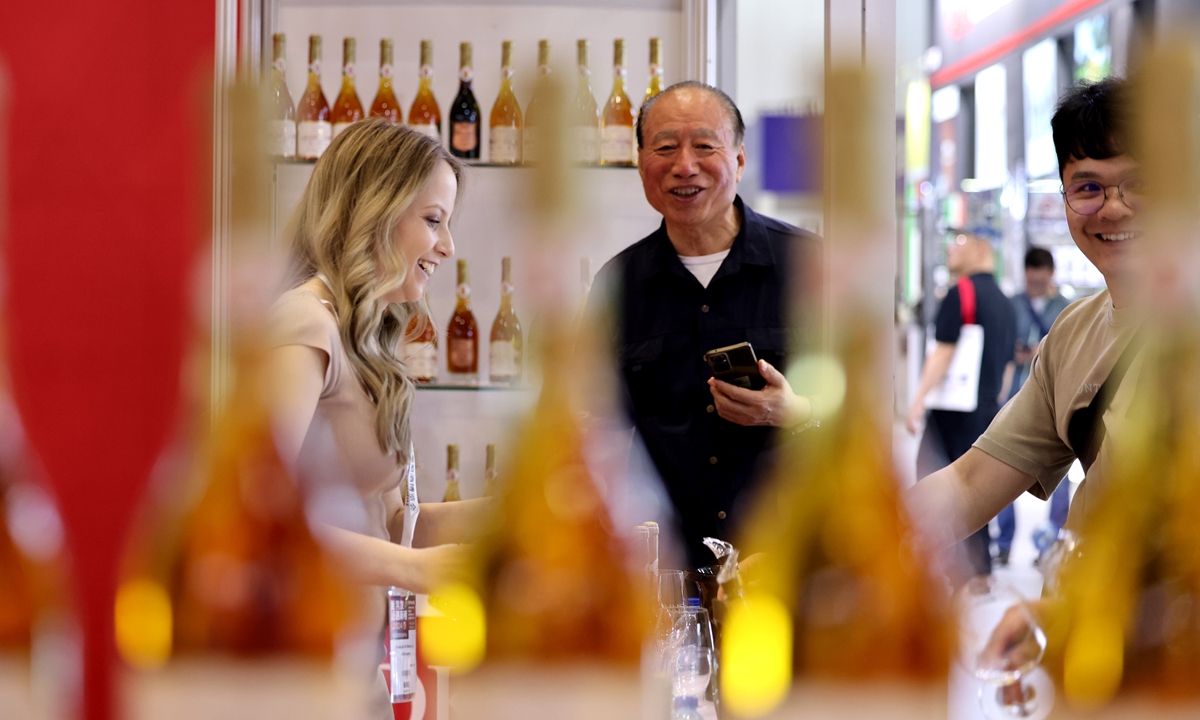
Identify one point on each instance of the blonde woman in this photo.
(372, 226)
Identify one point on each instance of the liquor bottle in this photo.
(585, 115)
(314, 131)
(347, 108)
(504, 126)
(491, 475)
(505, 361)
(656, 70)
(464, 113)
(283, 117)
(452, 475)
(616, 122)
(385, 105)
(420, 346)
(424, 116)
(535, 113)
(462, 337)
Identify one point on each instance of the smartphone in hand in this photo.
(736, 365)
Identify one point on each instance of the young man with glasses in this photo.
(1061, 412)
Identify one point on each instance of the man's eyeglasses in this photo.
(1088, 196)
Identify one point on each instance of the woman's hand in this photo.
(1014, 643)
(437, 566)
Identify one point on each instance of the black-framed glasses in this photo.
(1088, 196)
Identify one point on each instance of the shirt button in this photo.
(712, 460)
(703, 308)
(710, 408)
(721, 515)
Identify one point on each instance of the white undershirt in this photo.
(704, 266)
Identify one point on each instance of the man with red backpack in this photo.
(974, 300)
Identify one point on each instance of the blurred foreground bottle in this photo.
(840, 603)
(314, 131)
(536, 112)
(1125, 629)
(425, 116)
(226, 605)
(347, 108)
(385, 105)
(564, 599)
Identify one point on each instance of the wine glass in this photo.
(1001, 644)
(691, 670)
(671, 588)
(693, 628)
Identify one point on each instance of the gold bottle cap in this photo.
(385, 51)
(506, 53)
(543, 53)
(463, 275)
(280, 46)
(452, 457)
(582, 53)
(506, 270)
(314, 47)
(655, 51)
(464, 55)
(427, 52)
(491, 456)
(349, 50)
(619, 52)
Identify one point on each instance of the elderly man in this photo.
(715, 273)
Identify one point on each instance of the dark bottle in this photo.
(464, 112)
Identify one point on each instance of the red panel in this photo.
(106, 194)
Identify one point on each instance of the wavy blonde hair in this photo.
(343, 229)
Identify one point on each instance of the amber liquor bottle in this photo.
(585, 115)
(283, 116)
(616, 122)
(464, 112)
(420, 347)
(314, 131)
(505, 348)
(452, 475)
(424, 116)
(504, 126)
(462, 337)
(385, 105)
(347, 108)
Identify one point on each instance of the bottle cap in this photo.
(682, 703)
(693, 602)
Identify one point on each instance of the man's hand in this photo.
(775, 405)
(1013, 643)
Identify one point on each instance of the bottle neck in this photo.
(347, 81)
(506, 300)
(464, 297)
(619, 74)
(585, 80)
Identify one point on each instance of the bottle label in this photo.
(616, 144)
(386, 71)
(502, 361)
(452, 476)
(506, 73)
(463, 136)
(543, 69)
(465, 74)
(585, 142)
(426, 72)
(312, 137)
(656, 70)
(348, 70)
(402, 632)
(283, 138)
(315, 67)
(339, 127)
(463, 291)
(428, 129)
(462, 354)
(620, 72)
(504, 145)
(585, 71)
(421, 359)
(280, 65)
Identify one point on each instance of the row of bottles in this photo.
(505, 345)
(600, 135)
(453, 475)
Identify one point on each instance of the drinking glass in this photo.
(1001, 644)
(670, 588)
(693, 628)
(691, 669)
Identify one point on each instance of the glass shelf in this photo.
(470, 163)
(476, 387)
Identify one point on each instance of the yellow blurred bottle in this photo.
(535, 112)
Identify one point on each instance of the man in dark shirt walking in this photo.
(969, 255)
(715, 273)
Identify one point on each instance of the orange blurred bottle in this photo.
(504, 126)
(314, 131)
(616, 121)
(347, 108)
(462, 337)
(385, 105)
(283, 120)
(424, 116)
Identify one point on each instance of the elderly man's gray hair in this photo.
(731, 111)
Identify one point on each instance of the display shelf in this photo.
(474, 387)
(475, 164)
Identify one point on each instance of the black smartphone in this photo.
(736, 365)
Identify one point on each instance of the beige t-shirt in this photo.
(1030, 432)
(340, 448)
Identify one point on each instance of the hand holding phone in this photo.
(736, 365)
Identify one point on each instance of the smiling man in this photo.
(1083, 378)
(714, 274)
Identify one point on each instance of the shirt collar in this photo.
(750, 247)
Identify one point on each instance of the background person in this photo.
(715, 273)
(968, 255)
